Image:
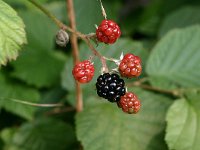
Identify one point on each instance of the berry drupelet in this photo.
(130, 66)
(108, 32)
(83, 72)
(129, 103)
(110, 86)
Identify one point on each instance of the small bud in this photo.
(62, 38)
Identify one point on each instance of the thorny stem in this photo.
(74, 43)
(176, 92)
(69, 29)
(96, 53)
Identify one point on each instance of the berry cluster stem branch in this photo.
(96, 53)
(147, 87)
(175, 93)
(69, 29)
(74, 43)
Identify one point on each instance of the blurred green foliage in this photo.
(165, 34)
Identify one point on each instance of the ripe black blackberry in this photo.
(110, 86)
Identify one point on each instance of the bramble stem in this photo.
(140, 84)
(74, 43)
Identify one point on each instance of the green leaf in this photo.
(44, 134)
(39, 67)
(156, 10)
(12, 34)
(21, 4)
(183, 119)
(10, 91)
(6, 135)
(150, 17)
(175, 59)
(40, 30)
(107, 127)
(181, 18)
(58, 8)
(123, 45)
(1, 144)
(88, 13)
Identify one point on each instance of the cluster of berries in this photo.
(109, 85)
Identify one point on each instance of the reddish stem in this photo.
(74, 43)
(96, 53)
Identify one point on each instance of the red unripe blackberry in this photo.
(129, 103)
(130, 66)
(110, 86)
(108, 32)
(83, 72)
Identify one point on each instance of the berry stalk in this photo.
(103, 10)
